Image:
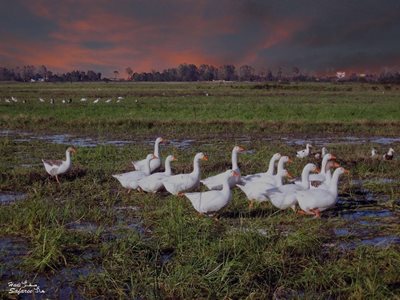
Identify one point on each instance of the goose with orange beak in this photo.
(216, 182)
(211, 202)
(258, 191)
(153, 183)
(285, 195)
(140, 165)
(313, 202)
(130, 180)
(177, 184)
(58, 167)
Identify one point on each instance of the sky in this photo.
(318, 37)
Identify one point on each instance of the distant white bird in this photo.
(120, 98)
(97, 100)
(8, 100)
(41, 100)
(14, 99)
(374, 153)
(83, 99)
(63, 101)
(52, 101)
(389, 154)
(118, 101)
(305, 152)
(108, 100)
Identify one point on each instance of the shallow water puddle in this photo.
(68, 139)
(11, 197)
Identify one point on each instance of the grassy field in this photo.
(88, 237)
(214, 108)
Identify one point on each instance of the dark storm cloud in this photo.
(107, 35)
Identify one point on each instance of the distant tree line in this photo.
(41, 73)
(191, 72)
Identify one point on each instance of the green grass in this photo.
(176, 107)
(246, 254)
(253, 254)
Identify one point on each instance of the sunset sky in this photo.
(104, 35)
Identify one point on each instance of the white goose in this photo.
(97, 100)
(260, 176)
(324, 173)
(212, 201)
(216, 182)
(314, 201)
(57, 167)
(41, 100)
(325, 185)
(305, 152)
(389, 154)
(177, 184)
(257, 191)
(155, 163)
(130, 180)
(153, 183)
(285, 196)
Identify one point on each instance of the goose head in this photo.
(391, 151)
(286, 159)
(201, 156)
(170, 158)
(160, 140)
(309, 146)
(276, 156)
(238, 149)
(71, 150)
(341, 171)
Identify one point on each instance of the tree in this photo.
(227, 72)
(116, 74)
(129, 71)
(246, 73)
(188, 72)
(207, 72)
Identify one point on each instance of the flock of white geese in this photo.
(315, 192)
(67, 101)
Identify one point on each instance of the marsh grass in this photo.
(173, 253)
(151, 246)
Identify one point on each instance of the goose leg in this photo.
(57, 179)
(316, 213)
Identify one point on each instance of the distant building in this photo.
(340, 75)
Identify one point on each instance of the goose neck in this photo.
(235, 160)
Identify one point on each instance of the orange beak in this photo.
(164, 140)
(236, 174)
(173, 158)
(346, 171)
(289, 161)
(317, 170)
(288, 175)
(154, 157)
(205, 157)
(336, 165)
(241, 149)
(333, 156)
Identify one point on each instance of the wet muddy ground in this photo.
(365, 219)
